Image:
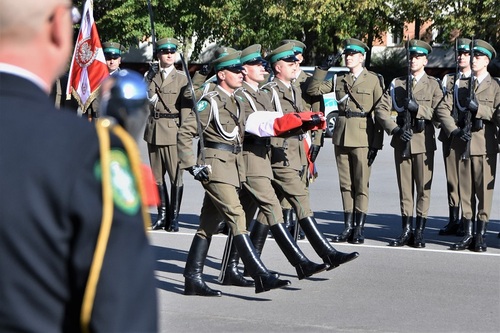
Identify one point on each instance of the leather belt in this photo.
(353, 114)
(157, 115)
(256, 141)
(235, 149)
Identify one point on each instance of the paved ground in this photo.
(385, 290)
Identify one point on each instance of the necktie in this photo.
(413, 83)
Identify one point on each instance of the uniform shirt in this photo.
(367, 90)
(222, 121)
(484, 140)
(427, 93)
(256, 157)
(163, 131)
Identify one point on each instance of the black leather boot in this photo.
(258, 236)
(292, 252)
(292, 226)
(466, 241)
(161, 221)
(419, 241)
(323, 248)
(264, 280)
(406, 237)
(232, 277)
(193, 279)
(348, 229)
(358, 236)
(453, 223)
(287, 218)
(480, 245)
(175, 206)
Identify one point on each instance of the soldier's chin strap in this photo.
(103, 126)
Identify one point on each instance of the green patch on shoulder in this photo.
(240, 98)
(125, 193)
(202, 105)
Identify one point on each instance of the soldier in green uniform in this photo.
(357, 137)
(450, 86)
(289, 161)
(113, 55)
(414, 172)
(258, 187)
(166, 89)
(221, 172)
(474, 138)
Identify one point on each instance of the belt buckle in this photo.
(236, 149)
(156, 114)
(348, 113)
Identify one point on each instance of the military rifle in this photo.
(454, 108)
(468, 113)
(409, 95)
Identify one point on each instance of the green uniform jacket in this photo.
(428, 94)
(312, 103)
(367, 90)
(289, 152)
(256, 157)
(163, 131)
(483, 141)
(227, 167)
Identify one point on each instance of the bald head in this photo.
(36, 35)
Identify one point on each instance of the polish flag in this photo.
(270, 123)
(88, 65)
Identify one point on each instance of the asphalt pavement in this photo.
(386, 289)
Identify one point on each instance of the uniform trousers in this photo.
(221, 200)
(477, 181)
(354, 177)
(289, 185)
(414, 175)
(164, 159)
(451, 170)
(262, 191)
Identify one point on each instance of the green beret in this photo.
(231, 62)
(298, 47)
(251, 54)
(167, 44)
(483, 47)
(112, 48)
(417, 46)
(463, 44)
(284, 52)
(353, 45)
(223, 51)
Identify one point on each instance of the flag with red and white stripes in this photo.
(88, 65)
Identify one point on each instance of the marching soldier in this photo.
(258, 187)
(357, 137)
(113, 55)
(289, 160)
(166, 89)
(450, 86)
(221, 172)
(413, 139)
(474, 138)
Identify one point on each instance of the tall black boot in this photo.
(293, 227)
(466, 241)
(258, 236)
(287, 218)
(292, 252)
(348, 229)
(480, 245)
(453, 222)
(161, 221)
(358, 236)
(232, 276)
(323, 248)
(406, 237)
(264, 281)
(175, 207)
(419, 241)
(193, 279)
